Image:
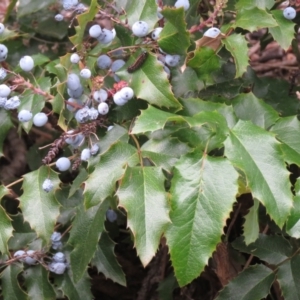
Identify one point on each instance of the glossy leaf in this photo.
(251, 225)
(84, 235)
(161, 160)
(262, 4)
(200, 206)
(101, 183)
(143, 196)
(258, 154)
(5, 125)
(28, 7)
(37, 284)
(106, 262)
(293, 222)
(253, 283)
(236, 44)
(35, 199)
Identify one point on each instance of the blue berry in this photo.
(127, 93)
(29, 259)
(63, 164)
(82, 115)
(40, 119)
(95, 31)
(69, 4)
(58, 17)
(20, 253)
(172, 60)
(111, 215)
(85, 73)
(74, 58)
(118, 99)
(100, 96)
(140, 28)
(94, 149)
(103, 108)
(117, 65)
(57, 267)
(3, 52)
(73, 82)
(106, 36)
(56, 236)
(59, 257)
(85, 154)
(182, 3)
(212, 32)
(2, 101)
(4, 90)
(3, 73)
(47, 185)
(24, 115)
(26, 63)
(156, 32)
(12, 103)
(289, 13)
(76, 93)
(104, 61)
(2, 28)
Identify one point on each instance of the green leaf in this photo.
(37, 284)
(293, 222)
(247, 4)
(248, 107)
(174, 38)
(28, 7)
(162, 160)
(288, 276)
(200, 206)
(151, 77)
(251, 225)
(75, 291)
(83, 19)
(5, 125)
(10, 286)
(271, 248)
(253, 283)
(40, 208)
(245, 17)
(78, 181)
(257, 153)
(236, 44)
(287, 131)
(84, 236)
(204, 61)
(143, 196)
(110, 169)
(106, 262)
(284, 32)
(6, 228)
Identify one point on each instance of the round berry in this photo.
(140, 28)
(212, 32)
(3, 52)
(29, 259)
(111, 215)
(40, 119)
(74, 58)
(106, 36)
(85, 154)
(73, 82)
(57, 267)
(289, 13)
(76, 93)
(95, 31)
(109, 128)
(82, 115)
(63, 164)
(59, 257)
(4, 90)
(93, 113)
(94, 149)
(3, 73)
(117, 65)
(19, 253)
(47, 185)
(3, 101)
(172, 60)
(127, 93)
(104, 62)
(100, 96)
(26, 63)
(118, 99)
(103, 108)
(182, 3)
(156, 32)
(59, 17)
(24, 115)
(159, 14)
(85, 73)
(2, 28)
(12, 103)
(69, 4)
(56, 236)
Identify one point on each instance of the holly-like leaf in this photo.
(248, 107)
(6, 228)
(245, 17)
(272, 249)
(257, 153)
(202, 198)
(110, 168)
(37, 284)
(288, 276)
(248, 4)
(10, 286)
(253, 283)
(5, 125)
(106, 262)
(40, 209)
(143, 195)
(236, 44)
(84, 235)
(28, 7)
(251, 225)
(284, 33)
(287, 131)
(162, 160)
(174, 38)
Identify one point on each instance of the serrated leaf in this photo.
(101, 183)
(161, 160)
(151, 77)
(236, 44)
(84, 235)
(106, 262)
(83, 19)
(5, 125)
(251, 225)
(204, 61)
(143, 196)
(75, 291)
(245, 17)
(200, 206)
(284, 33)
(288, 276)
(247, 4)
(28, 7)
(248, 107)
(253, 283)
(40, 209)
(271, 248)
(174, 38)
(78, 181)
(37, 284)
(257, 153)
(10, 286)
(6, 228)
(293, 222)
(287, 131)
